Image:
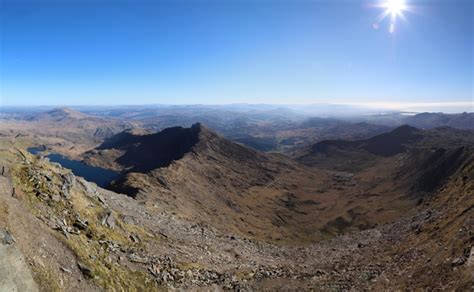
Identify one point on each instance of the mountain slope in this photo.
(61, 115)
(359, 154)
(223, 216)
(206, 178)
(148, 152)
(224, 184)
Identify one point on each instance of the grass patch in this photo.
(45, 280)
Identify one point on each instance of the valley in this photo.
(189, 208)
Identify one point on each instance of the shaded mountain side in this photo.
(123, 140)
(386, 144)
(442, 230)
(356, 155)
(426, 170)
(139, 151)
(291, 142)
(157, 150)
(240, 166)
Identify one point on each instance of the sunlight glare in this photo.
(394, 9)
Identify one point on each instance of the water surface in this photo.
(101, 176)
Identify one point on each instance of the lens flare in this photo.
(393, 9)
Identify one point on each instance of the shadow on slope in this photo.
(144, 153)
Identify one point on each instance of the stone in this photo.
(470, 260)
(80, 223)
(85, 270)
(109, 219)
(68, 183)
(66, 270)
(135, 238)
(8, 238)
(459, 261)
(56, 198)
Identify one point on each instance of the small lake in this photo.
(101, 176)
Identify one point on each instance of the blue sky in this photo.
(212, 52)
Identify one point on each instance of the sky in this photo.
(101, 52)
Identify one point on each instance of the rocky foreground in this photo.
(62, 233)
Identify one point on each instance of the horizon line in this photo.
(362, 104)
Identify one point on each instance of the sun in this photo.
(394, 9)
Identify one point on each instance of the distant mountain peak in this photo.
(197, 126)
(405, 129)
(63, 113)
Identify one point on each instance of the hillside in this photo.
(216, 214)
(61, 115)
(244, 191)
(359, 154)
(203, 177)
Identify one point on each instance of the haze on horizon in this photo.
(210, 52)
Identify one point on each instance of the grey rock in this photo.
(109, 219)
(470, 260)
(85, 270)
(459, 261)
(56, 198)
(135, 238)
(81, 224)
(8, 238)
(66, 270)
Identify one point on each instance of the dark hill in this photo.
(392, 143)
(359, 154)
(426, 170)
(144, 153)
(386, 144)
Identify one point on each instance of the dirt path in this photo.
(14, 272)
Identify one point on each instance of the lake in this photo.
(101, 176)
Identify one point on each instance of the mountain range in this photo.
(348, 204)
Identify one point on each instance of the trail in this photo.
(14, 272)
